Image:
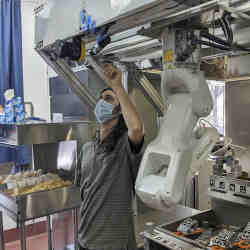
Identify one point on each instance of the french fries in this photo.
(44, 186)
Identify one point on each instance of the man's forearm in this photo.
(131, 116)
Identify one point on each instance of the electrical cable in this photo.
(175, 6)
(215, 39)
(224, 147)
(240, 47)
(206, 121)
(214, 45)
(220, 43)
(237, 146)
(229, 28)
(224, 28)
(209, 63)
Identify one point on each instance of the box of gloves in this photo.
(13, 110)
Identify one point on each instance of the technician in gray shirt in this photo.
(108, 169)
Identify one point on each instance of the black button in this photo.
(243, 189)
(222, 185)
(232, 187)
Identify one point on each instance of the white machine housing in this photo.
(167, 161)
(61, 19)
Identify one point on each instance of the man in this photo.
(108, 169)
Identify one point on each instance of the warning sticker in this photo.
(170, 66)
(169, 56)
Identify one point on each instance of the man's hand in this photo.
(113, 76)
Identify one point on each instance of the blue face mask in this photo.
(104, 111)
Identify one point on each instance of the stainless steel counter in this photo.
(40, 204)
(54, 147)
(36, 205)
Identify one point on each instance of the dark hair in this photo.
(106, 89)
(119, 129)
(117, 132)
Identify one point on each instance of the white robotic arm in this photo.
(167, 160)
(205, 140)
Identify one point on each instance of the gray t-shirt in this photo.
(106, 180)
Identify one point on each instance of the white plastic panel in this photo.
(103, 11)
(60, 19)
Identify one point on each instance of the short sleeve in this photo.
(78, 174)
(134, 153)
(78, 170)
(136, 148)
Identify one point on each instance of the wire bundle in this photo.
(219, 43)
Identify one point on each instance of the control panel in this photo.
(167, 241)
(228, 185)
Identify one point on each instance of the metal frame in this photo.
(159, 13)
(62, 69)
(17, 216)
(139, 17)
(75, 215)
(145, 15)
(149, 92)
(196, 191)
(147, 20)
(49, 229)
(2, 245)
(23, 236)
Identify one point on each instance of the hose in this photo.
(215, 39)
(228, 27)
(214, 45)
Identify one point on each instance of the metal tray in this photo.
(213, 217)
(170, 228)
(40, 204)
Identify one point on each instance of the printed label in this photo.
(169, 56)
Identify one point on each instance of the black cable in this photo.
(231, 35)
(214, 45)
(228, 27)
(224, 28)
(175, 6)
(215, 39)
(240, 47)
(220, 42)
(224, 43)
